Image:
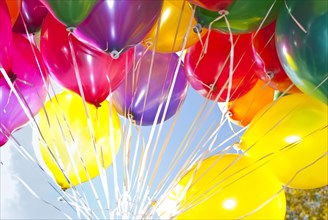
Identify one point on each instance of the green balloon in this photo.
(244, 16)
(303, 47)
(70, 12)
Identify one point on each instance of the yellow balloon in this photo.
(68, 146)
(292, 135)
(230, 186)
(173, 29)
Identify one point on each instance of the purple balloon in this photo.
(131, 98)
(28, 82)
(113, 26)
(33, 13)
(5, 37)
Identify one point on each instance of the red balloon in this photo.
(210, 74)
(213, 5)
(5, 37)
(274, 74)
(99, 73)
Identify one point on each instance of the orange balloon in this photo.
(14, 7)
(242, 110)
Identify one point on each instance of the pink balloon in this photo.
(99, 73)
(29, 83)
(5, 37)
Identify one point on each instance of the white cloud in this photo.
(8, 184)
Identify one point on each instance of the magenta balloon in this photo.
(33, 13)
(27, 78)
(117, 25)
(100, 74)
(131, 99)
(5, 37)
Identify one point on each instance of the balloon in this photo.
(64, 118)
(241, 111)
(14, 8)
(214, 5)
(27, 78)
(70, 12)
(292, 133)
(303, 53)
(209, 74)
(5, 38)
(172, 29)
(113, 26)
(265, 46)
(142, 93)
(244, 16)
(99, 73)
(229, 186)
(33, 13)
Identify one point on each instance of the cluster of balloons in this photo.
(239, 53)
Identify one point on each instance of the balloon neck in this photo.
(198, 28)
(71, 29)
(270, 75)
(12, 77)
(148, 43)
(223, 12)
(115, 54)
(237, 146)
(97, 105)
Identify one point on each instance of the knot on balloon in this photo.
(236, 146)
(148, 43)
(115, 54)
(197, 28)
(131, 117)
(71, 29)
(270, 75)
(12, 77)
(223, 12)
(229, 113)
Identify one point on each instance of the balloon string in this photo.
(232, 55)
(90, 126)
(294, 19)
(39, 198)
(210, 191)
(45, 81)
(169, 95)
(264, 19)
(290, 181)
(143, 160)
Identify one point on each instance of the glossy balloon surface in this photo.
(70, 12)
(245, 16)
(265, 45)
(293, 134)
(303, 53)
(27, 79)
(14, 7)
(209, 73)
(33, 13)
(241, 111)
(119, 25)
(5, 38)
(146, 89)
(64, 118)
(99, 73)
(174, 23)
(213, 5)
(229, 186)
